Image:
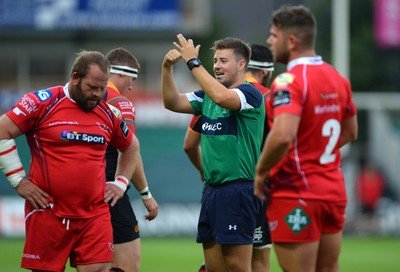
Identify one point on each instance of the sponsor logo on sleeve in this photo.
(43, 95)
(281, 97)
(124, 128)
(27, 104)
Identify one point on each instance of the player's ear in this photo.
(293, 42)
(242, 65)
(75, 78)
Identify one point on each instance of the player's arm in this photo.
(140, 183)
(349, 130)
(218, 93)
(191, 146)
(172, 98)
(128, 159)
(276, 147)
(10, 164)
(139, 180)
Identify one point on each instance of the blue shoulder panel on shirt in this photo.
(252, 94)
(200, 93)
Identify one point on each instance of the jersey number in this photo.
(331, 129)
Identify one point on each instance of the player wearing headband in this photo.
(259, 72)
(123, 72)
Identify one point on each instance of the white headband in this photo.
(124, 70)
(269, 66)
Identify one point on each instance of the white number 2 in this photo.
(331, 129)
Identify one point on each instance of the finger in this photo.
(34, 204)
(181, 38)
(114, 200)
(150, 217)
(38, 199)
(198, 48)
(107, 197)
(177, 46)
(43, 193)
(42, 202)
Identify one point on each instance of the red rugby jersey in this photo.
(68, 147)
(115, 98)
(317, 93)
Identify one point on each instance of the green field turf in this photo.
(184, 255)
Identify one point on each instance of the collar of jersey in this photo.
(317, 60)
(112, 85)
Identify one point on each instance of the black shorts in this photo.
(261, 236)
(124, 222)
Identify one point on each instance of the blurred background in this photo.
(361, 38)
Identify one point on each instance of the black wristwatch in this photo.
(192, 63)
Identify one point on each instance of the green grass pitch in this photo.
(182, 254)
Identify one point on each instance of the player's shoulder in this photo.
(114, 110)
(43, 97)
(284, 79)
(38, 102)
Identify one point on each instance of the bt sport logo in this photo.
(83, 137)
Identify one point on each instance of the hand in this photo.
(261, 186)
(186, 48)
(113, 193)
(171, 58)
(36, 196)
(152, 208)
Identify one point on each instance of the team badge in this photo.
(284, 79)
(297, 220)
(116, 111)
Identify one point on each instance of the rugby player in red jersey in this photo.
(312, 114)
(68, 129)
(124, 71)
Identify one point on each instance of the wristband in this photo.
(145, 193)
(121, 182)
(10, 162)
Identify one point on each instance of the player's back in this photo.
(320, 96)
(325, 100)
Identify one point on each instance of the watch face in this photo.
(193, 63)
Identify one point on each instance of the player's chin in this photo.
(91, 104)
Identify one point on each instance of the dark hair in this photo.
(261, 53)
(240, 48)
(299, 19)
(86, 58)
(121, 56)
